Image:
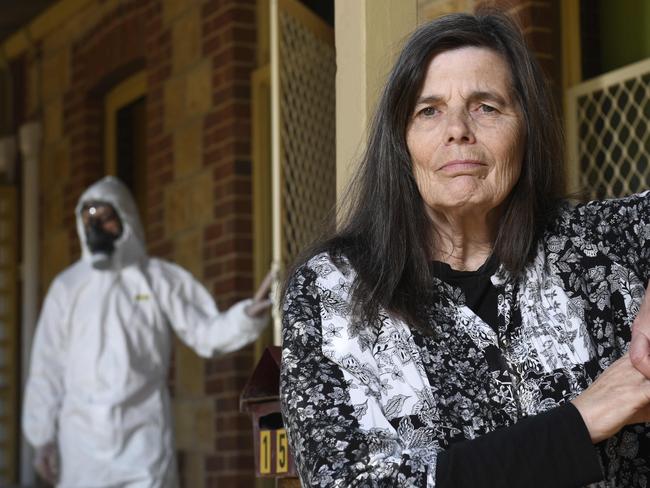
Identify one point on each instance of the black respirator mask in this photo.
(103, 228)
(98, 240)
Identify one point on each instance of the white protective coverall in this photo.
(97, 383)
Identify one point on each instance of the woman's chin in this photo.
(461, 193)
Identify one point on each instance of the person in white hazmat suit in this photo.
(97, 408)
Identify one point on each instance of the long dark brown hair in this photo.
(385, 232)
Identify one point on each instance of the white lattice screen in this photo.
(303, 127)
(307, 117)
(608, 133)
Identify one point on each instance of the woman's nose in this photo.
(459, 128)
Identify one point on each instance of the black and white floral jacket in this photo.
(375, 405)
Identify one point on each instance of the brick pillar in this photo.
(229, 42)
(200, 57)
(159, 140)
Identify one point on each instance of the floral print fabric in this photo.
(373, 404)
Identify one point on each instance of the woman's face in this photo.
(466, 136)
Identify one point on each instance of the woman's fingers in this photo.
(640, 344)
(619, 396)
(642, 416)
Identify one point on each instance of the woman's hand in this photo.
(619, 396)
(640, 344)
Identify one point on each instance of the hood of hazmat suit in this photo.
(100, 357)
(129, 246)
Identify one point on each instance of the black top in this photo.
(480, 294)
(557, 440)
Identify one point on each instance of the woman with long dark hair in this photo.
(466, 326)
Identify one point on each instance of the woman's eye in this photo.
(487, 108)
(428, 111)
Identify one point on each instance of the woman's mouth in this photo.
(460, 166)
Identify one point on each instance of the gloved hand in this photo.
(46, 462)
(261, 303)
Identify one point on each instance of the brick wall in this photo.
(198, 57)
(540, 23)
(229, 42)
(99, 59)
(431, 9)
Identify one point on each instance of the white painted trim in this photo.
(276, 169)
(610, 78)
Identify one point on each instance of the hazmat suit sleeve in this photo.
(196, 319)
(44, 390)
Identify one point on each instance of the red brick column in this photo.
(160, 155)
(229, 40)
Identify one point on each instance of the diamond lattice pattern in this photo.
(308, 135)
(614, 138)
